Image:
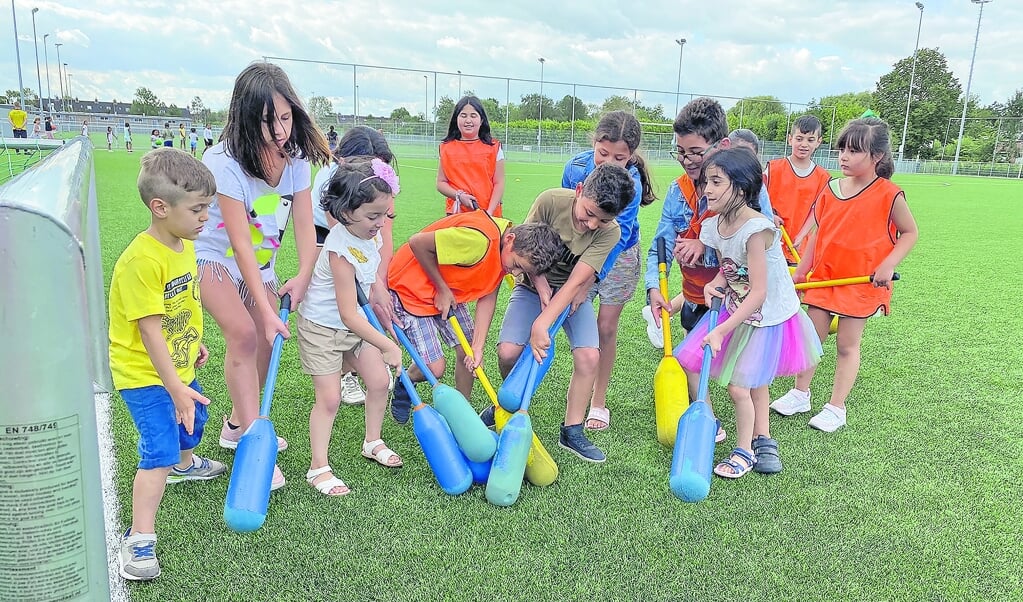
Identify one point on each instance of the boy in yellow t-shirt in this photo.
(156, 344)
(18, 118)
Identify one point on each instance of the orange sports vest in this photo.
(694, 278)
(467, 282)
(470, 166)
(854, 236)
(793, 196)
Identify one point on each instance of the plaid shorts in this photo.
(620, 284)
(426, 332)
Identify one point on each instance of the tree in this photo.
(321, 109)
(445, 107)
(401, 114)
(765, 115)
(198, 110)
(617, 102)
(31, 98)
(843, 107)
(531, 104)
(570, 107)
(146, 103)
(936, 96)
(654, 114)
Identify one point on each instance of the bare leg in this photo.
(580, 387)
(321, 424)
(744, 417)
(146, 493)
(373, 371)
(463, 377)
(847, 365)
(507, 355)
(822, 324)
(761, 411)
(608, 317)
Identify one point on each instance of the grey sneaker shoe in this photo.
(138, 556)
(202, 469)
(351, 391)
(574, 440)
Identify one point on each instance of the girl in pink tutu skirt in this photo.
(762, 332)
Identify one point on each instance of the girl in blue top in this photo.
(615, 140)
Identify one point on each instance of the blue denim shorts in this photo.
(523, 308)
(161, 438)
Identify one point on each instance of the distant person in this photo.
(155, 139)
(332, 139)
(18, 119)
(85, 128)
(156, 331)
(48, 128)
(207, 136)
(263, 173)
(168, 135)
(471, 166)
(864, 226)
(193, 140)
(793, 182)
(37, 128)
(616, 140)
(110, 139)
(181, 135)
(127, 136)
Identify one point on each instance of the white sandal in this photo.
(325, 487)
(599, 415)
(382, 457)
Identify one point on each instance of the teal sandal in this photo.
(739, 462)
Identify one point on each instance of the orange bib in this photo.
(793, 196)
(470, 166)
(694, 279)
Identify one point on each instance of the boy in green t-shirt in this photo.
(156, 344)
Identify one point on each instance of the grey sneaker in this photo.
(574, 440)
(138, 556)
(202, 469)
(351, 392)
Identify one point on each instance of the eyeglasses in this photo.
(680, 154)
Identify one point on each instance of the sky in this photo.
(795, 50)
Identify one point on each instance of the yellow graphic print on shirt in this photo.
(358, 255)
(267, 222)
(177, 325)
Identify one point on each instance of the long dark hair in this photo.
(455, 134)
(252, 96)
(364, 140)
(619, 126)
(742, 168)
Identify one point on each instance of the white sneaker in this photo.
(829, 420)
(793, 402)
(351, 392)
(653, 331)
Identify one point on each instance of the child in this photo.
(168, 135)
(48, 128)
(127, 136)
(155, 138)
(156, 345)
(37, 128)
(332, 139)
(207, 137)
(181, 134)
(193, 140)
(471, 166)
(454, 261)
(85, 128)
(585, 219)
(358, 141)
(330, 326)
(761, 332)
(793, 182)
(615, 140)
(864, 227)
(263, 174)
(110, 139)
(701, 128)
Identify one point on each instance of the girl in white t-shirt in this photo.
(263, 173)
(331, 326)
(762, 332)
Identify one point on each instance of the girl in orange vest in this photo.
(471, 161)
(864, 227)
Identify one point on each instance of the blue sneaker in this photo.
(487, 416)
(202, 469)
(401, 404)
(574, 440)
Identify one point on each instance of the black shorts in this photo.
(20, 133)
(691, 314)
(321, 234)
(209, 142)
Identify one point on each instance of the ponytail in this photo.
(647, 195)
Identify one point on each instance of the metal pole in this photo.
(678, 84)
(60, 76)
(426, 99)
(35, 42)
(912, 75)
(355, 98)
(436, 117)
(17, 52)
(459, 84)
(539, 123)
(742, 110)
(831, 133)
(69, 87)
(507, 108)
(994, 151)
(46, 59)
(969, 81)
(944, 142)
(572, 141)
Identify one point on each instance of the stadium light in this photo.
(912, 76)
(539, 122)
(678, 85)
(969, 80)
(35, 42)
(60, 76)
(426, 97)
(17, 52)
(46, 61)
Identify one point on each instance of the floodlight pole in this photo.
(17, 53)
(678, 84)
(426, 98)
(912, 76)
(969, 81)
(46, 60)
(539, 122)
(60, 76)
(459, 84)
(35, 42)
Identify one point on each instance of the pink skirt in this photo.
(752, 356)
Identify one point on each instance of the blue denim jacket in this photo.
(675, 218)
(576, 171)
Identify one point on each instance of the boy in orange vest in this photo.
(441, 269)
(794, 182)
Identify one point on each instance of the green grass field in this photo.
(917, 499)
